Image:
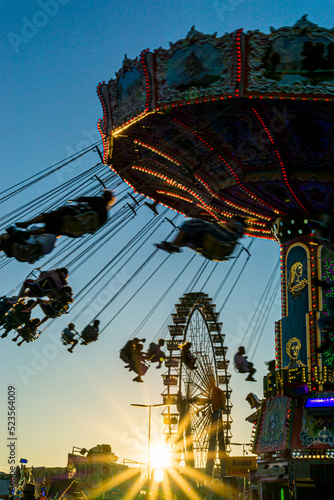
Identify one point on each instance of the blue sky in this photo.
(54, 54)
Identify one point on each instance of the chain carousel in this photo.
(242, 124)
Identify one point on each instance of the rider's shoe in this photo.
(12, 229)
(168, 247)
(22, 225)
(16, 234)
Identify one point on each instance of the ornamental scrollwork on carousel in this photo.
(296, 282)
(297, 59)
(274, 432)
(128, 91)
(317, 430)
(197, 66)
(292, 348)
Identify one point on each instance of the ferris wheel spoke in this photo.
(197, 386)
(203, 382)
(205, 372)
(202, 376)
(205, 415)
(198, 378)
(202, 427)
(194, 385)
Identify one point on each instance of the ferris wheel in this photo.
(197, 416)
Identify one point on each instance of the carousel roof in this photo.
(237, 124)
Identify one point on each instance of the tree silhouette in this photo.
(319, 55)
(274, 60)
(308, 53)
(313, 56)
(266, 57)
(330, 56)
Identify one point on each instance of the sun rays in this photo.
(133, 482)
(160, 456)
(195, 417)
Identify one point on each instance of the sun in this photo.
(160, 456)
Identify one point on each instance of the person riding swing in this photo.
(214, 241)
(186, 355)
(6, 303)
(67, 336)
(18, 315)
(139, 365)
(70, 220)
(155, 354)
(28, 331)
(243, 365)
(48, 283)
(90, 333)
(132, 355)
(55, 307)
(23, 247)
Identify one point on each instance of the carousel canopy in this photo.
(238, 124)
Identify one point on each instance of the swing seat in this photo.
(90, 340)
(138, 366)
(237, 369)
(125, 356)
(5, 306)
(13, 320)
(28, 334)
(89, 334)
(66, 338)
(53, 312)
(44, 286)
(139, 369)
(27, 253)
(89, 337)
(215, 250)
(245, 372)
(157, 357)
(80, 224)
(189, 360)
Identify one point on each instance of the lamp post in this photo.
(149, 430)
